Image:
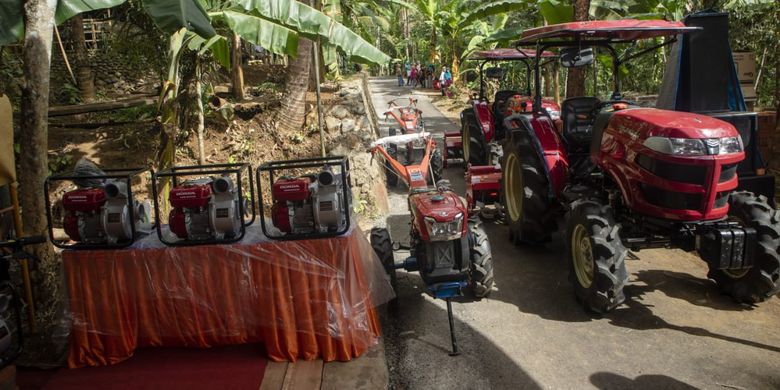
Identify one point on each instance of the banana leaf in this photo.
(278, 39)
(172, 15)
(312, 24)
(492, 8)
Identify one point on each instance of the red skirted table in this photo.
(303, 299)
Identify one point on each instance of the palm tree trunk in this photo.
(575, 84)
(433, 45)
(39, 27)
(291, 114)
(83, 69)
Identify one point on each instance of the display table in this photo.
(303, 299)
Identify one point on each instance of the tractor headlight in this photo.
(444, 231)
(731, 145)
(694, 146)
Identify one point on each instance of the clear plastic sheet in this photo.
(303, 299)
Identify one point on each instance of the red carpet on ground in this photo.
(233, 367)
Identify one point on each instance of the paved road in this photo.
(674, 332)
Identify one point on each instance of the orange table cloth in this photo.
(303, 299)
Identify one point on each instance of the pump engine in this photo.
(101, 215)
(310, 204)
(206, 208)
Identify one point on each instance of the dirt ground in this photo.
(675, 330)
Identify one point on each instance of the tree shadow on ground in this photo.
(608, 380)
(417, 327)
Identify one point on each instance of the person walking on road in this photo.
(445, 78)
(399, 73)
(413, 77)
(408, 69)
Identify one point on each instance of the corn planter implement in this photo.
(210, 206)
(626, 177)
(450, 250)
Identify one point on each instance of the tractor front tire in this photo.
(437, 166)
(392, 149)
(474, 149)
(481, 260)
(596, 256)
(383, 247)
(762, 280)
(524, 192)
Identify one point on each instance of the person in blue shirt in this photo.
(408, 68)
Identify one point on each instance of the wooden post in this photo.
(64, 55)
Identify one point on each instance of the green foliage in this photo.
(172, 15)
(58, 163)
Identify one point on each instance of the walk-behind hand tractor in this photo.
(450, 250)
(631, 178)
(102, 212)
(409, 119)
(209, 207)
(311, 205)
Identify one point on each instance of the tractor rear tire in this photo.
(596, 256)
(472, 142)
(481, 260)
(437, 165)
(383, 247)
(524, 190)
(392, 149)
(762, 281)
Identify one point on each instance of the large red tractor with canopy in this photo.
(482, 122)
(627, 177)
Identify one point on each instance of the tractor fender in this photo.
(546, 144)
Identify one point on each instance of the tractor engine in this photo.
(100, 215)
(206, 208)
(309, 204)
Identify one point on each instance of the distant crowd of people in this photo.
(416, 75)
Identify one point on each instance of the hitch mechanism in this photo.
(447, 291)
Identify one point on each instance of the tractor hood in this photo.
(441, 206)
(642, 123)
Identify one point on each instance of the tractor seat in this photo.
(578, 115)
(499, 103)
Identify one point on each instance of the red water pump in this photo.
(102, 212)
(208, 209)
(312, 205)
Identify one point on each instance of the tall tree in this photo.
(575, 83)
(39, 28)
(83, 68)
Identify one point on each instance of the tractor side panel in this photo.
(553, 152)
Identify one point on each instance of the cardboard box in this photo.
(745, 62)
(748, 92)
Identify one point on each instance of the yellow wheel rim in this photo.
(466, 144)
(582, 256)
(513, 188)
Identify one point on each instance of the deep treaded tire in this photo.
(473, 142)
(383, 247)
(596, 256)
(437, 165)
(392, 149)
(763, 279)
(524, 193)
(481, 257)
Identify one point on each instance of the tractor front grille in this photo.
(670, 200)
(692, 174)
(727, 172)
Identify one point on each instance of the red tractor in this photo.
(409, 119)
(482, 124)
(626, 177)
(450, 250)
